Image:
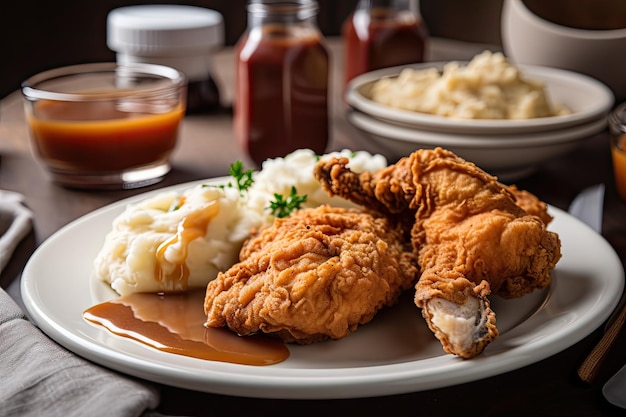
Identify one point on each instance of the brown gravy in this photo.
(174, 323)
(193, 226)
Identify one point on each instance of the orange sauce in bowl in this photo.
(98, 136)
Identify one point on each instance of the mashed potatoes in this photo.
(174, 242)
(296, 169)
(151, 249)
(489, 87)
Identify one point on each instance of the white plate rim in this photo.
(342, 382)
(605, 99)
(413, 135)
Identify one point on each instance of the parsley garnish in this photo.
(282, 207)
(244, 178)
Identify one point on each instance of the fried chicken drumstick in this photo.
(315, 275)
(473, 237)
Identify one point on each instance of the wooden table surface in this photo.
(206, 149)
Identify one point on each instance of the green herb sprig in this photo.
(283, 207)
(242, 177)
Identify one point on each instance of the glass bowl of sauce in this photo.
(617, 129)
(105, 125)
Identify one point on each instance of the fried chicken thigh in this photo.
(315, 275)
(473, 237)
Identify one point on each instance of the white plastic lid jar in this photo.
(181, 37)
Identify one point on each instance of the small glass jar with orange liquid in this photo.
(617, 126)
(381, 34)
(105, 125)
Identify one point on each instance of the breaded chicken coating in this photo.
(315, 275)
(473, 236)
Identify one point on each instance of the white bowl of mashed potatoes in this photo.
(505, 118)
(488, 95)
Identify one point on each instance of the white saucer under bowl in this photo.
(508, 156)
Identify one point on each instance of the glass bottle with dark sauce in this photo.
(381, 34)
(282, 77)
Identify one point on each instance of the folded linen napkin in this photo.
(39, 377)
(15, 224)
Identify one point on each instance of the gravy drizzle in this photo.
(193, 226)
(174, 323)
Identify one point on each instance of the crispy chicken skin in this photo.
(315, 275)
(472, 235)
(531, 204)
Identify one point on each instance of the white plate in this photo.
(588, 98)
(415, 136)
(393, 354)
(509, 157)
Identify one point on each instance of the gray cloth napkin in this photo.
(15, 224)
(39, 377)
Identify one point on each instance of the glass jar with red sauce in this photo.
(281, 99)
(381, 34)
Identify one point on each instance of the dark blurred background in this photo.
(41, 34)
